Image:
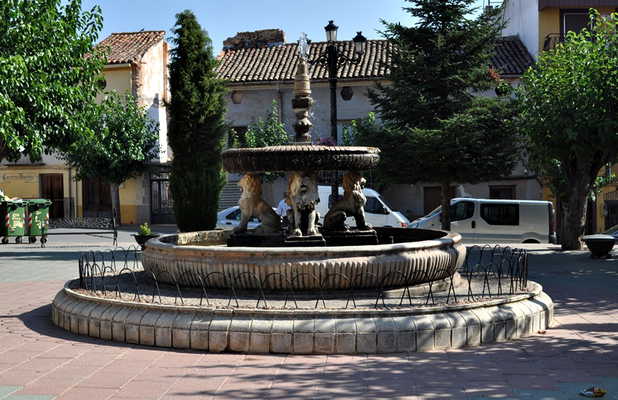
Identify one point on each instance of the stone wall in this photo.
(261, 38)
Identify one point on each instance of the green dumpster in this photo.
(13, 219)
(38, 219)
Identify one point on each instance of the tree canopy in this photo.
(433, 128)
(437, 63)
(197, 128)
(49, 75)
(125, 140)
(268, 131)
(569, 116)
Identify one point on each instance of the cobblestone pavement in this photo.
(40, 361)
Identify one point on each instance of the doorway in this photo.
(97, 198)
(52, 189)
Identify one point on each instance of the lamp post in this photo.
(333, 58)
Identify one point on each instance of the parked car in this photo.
(488, 220)
(612, 231)
(377, 212)
(230, 218)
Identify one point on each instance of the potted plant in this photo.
(144, 233)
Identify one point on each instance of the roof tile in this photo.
(278, 63)
(128, 47)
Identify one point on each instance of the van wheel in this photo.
(531, 241)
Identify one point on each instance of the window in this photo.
(462, 210)
(374, 206)
(502, 192)
(574, 20)
(235, 216)
(500, 214)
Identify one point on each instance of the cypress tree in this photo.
(197, 127)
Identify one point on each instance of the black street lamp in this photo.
(333, 58)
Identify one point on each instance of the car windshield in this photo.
(384, 203)
(434, 212)
(612, 231)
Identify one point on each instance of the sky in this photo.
(224, 18)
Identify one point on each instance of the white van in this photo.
(377, 213)
(485, 220)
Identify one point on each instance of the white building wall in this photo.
(152, 92)
(256, 102)
(522, 19)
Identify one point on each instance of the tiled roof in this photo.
(511, 58)
(278, 63)
(126, 47)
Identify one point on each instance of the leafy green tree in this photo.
(268, 131)
(125, 140)
(434, 129)
(197, 128)
(49, 75)
(569, 116)
(437, 63)
(472, 146)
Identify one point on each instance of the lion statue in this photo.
(302, 198)
(352, 204)
(252, 205)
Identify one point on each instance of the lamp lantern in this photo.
(359, 43)
(331, 31)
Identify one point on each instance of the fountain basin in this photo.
(196, 257)
(300, 157)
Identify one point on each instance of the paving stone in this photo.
(366, 336)
(163, 330)
(118, 332)
(303, 337)
(132, 325)
(147, 328)
(181, 330)
(386, 335)
(240, 334)
(281, 336)
(94, 322)
(345, 336)
(406, 333)
(458, 329)
(199, 331)
(259, 341)
(442, 333)
(487, 325)
(218, 333)
(424, 333)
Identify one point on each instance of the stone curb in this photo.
(358, 332)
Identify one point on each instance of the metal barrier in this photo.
(488, 272)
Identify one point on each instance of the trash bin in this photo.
(13, 219)
(38, 219)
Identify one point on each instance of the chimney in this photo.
(256, 39)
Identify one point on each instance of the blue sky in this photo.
(223, 18)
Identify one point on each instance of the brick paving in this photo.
(40, 361)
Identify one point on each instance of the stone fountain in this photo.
(304, 260)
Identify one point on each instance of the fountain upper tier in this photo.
(300, 157)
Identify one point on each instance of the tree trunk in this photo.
(559, 219)
(574, 217)
(446, 205)
(115, 194)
